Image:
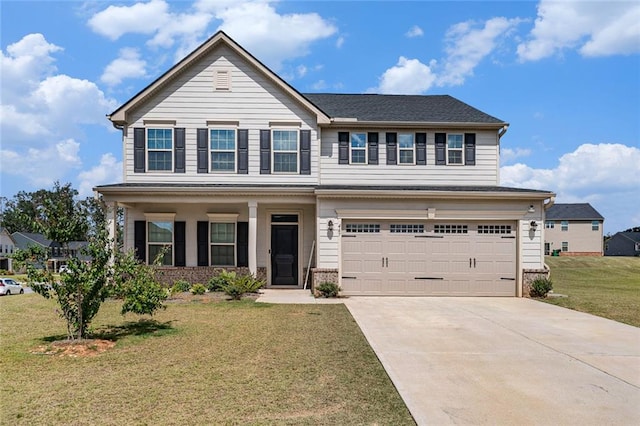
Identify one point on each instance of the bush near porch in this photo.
(197, 363)
(605, 286)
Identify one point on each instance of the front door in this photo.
(284, 254)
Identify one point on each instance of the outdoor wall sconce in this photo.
(531, 209)
(330, 225)
(533, 225)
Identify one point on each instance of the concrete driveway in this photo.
(504, 361)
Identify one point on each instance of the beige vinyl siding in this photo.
(253, 102)
(531, 243)
(484, 172)
(580, 236)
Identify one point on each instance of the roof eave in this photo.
(394, 193)
(355, 123)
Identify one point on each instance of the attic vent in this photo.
(222, 80)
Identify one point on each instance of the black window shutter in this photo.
(421, 148)
(392, 153)
(179, 241)
(203, 151)
(138, 150)
(305, 152)
(243, 151)
(178, 136)
(372, 146)
(140, 240)
(470, 149)
(441, 149)
(242, 244)
(203, 243)
(343, 147)
(265, 152)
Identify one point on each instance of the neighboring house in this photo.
(57, 255)
(7, 247)
(228, 166)
(623, 244)
(573, 230)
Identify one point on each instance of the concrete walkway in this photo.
(504, 361)
(295, 296)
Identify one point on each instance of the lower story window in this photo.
(565, 246)
(160, 239)
(223, 244)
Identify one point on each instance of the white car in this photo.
(9, 286)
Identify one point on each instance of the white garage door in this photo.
(434, 259)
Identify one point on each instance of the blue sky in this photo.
(565, 75)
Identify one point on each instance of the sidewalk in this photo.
(296, 296)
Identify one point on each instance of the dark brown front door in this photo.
(284, 254)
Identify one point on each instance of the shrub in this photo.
(180, 286)
(327, 289)
(540, 287)
(198, 289)
(242, 284)
(220, 281)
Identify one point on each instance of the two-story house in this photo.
(227, 165)
(7, 247)
(573, 229)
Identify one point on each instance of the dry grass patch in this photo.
(605, 286)
(197, 363)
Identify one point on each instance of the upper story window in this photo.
(160, 149)
(406, 148)
(285, 151)
(223, 150)
(455, 149)
(549, 224)
(564, 225)
(160, 237)
(358, 148)
(595, 225)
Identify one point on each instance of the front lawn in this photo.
(197, 363)
(605, 286)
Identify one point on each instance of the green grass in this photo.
(197, 364)
(605, 286)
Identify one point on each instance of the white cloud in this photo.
(42, 167)
(140, 18)
(108, 171)
(468, 45)
(594, 28)
(603, 173)
(408, 76)
(507, 155)
(127, 65)
(414, 31)
(340, 42)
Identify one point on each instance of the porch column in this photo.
(112, 223)
(253, 234)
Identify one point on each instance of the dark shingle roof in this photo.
(578, 211)
(25, 239)
(407, 108)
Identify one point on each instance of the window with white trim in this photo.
(223, 150)
(549, 224)
(358, 148)
(406, 228)
(363, 228)
(595, 225)
(285, 151)
(160, 149)
(565, 246)
(223, 243)
(455, 148)
(564, 225)
(450, 229)
(406, 149)
(159, 238)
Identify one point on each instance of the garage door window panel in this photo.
(406, 228)
(362, 228)
(451, 229)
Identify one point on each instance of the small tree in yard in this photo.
(85, 285)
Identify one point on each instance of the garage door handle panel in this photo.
(507, 279)
(349, 278)
(429, 278)
(428, 236)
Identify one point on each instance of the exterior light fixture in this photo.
(330, 225)
(531, 209)
(533, 225)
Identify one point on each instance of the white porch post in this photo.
(253, 234)
(112, 223)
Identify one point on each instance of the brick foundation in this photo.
(199, 274)
(319, 276)
(528, 276)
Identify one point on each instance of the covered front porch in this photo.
(268, 233)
